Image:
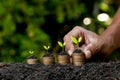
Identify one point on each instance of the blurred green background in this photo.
(29, 24)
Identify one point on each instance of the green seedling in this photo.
(76, 41)
(62, 45)
(63, 57)
(32, 59)
(31, 52)
(46, 47)
(77, 59)
(48, 58)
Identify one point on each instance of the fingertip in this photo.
(88, 54)
(70, 52)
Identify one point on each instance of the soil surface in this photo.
(78, 51)
(88, 71)
(32, 57)
(48, 54)
(63, 53)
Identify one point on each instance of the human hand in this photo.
(91, 44)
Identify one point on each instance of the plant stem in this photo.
(63, 49)
(77, 45)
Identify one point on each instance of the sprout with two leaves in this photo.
(31, 52)
(76, 41)
(48, 58)
(46, 48)
(78, 55)
(32, 59)
(62, 45)
(63, 57)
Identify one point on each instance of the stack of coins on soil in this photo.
(63, 59)
(48, 60)
(78, 58)
(32, 61)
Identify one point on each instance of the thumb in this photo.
(89, 51)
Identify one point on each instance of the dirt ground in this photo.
(88, 71)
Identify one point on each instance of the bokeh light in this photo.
(103, 17)
(87, 21)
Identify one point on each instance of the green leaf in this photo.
(60, 44)
(48, 47)
(64, 43)
(45, 47)
(74, 39)
(79, 39)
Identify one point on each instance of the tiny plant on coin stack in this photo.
(32, 59)
(48, 58)
(63, 57)
(78, 56)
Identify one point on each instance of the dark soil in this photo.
(78, 51)
(48, 54)
(32, 57)
(63, 53)
(89, 71)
